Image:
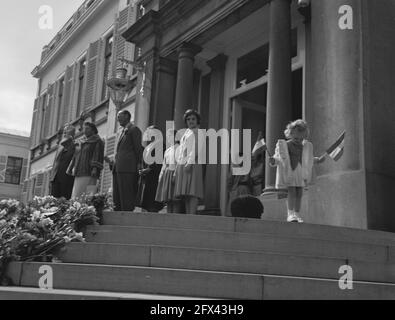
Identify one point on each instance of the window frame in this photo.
(7, 174)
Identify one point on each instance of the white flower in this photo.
(45, 222)
(77, 205)
(3, 213)
(36, 215)
(79, 237)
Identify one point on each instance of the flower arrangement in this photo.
(38, 230)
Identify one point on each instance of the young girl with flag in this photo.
(294, 160)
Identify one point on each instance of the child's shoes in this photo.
(300, 220)
(292, 217)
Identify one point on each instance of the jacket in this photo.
(63, 157)
(283, 163)
(129, 151)
(89, 154)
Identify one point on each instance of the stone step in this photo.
(226, 224)
(221, 260)
(194, 283)
(240, 242)
(24, 293)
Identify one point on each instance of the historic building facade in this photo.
(252, 64)
(259, 64)
(72, 77)
(14, 154)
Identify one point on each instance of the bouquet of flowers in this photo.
(35, 232)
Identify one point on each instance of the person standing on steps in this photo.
(294, 160)
(189, 173)
(87, 162)
(127, 163)
(149, 175)
(165, 190)
(61, 184)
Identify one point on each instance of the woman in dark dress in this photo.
(149, 179)
(61, 183)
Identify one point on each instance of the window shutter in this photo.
(123, 49)
(106, 183)
(38, 188)
(68, 101)
(3, 168)
(48, 112)
(55, 109)
(92, 74)
(40, 118)
(25, 188)
(45, 189)
(34, 128)
(100, 84)
(24, 171)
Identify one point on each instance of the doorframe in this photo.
(231, 92)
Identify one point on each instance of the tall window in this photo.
(14, 169)
(81, 78)
(61, 117)
(107, 65)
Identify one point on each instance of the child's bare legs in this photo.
(298, 199)
(295, 195)
(291, 198)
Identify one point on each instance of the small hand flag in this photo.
(260, 144)
(336, 151)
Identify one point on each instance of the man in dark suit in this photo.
(128, 162)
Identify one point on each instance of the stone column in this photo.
(164, 89)
(279, 98)
(184, 88)
(216, 102)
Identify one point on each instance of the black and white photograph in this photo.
(198, 155)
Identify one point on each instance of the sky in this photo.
(21, 45)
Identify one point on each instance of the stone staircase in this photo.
(161, 256)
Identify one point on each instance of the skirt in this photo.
(189, 184)
(296, 178)
(84, 185)
(165, 191)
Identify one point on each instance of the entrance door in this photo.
(249, 112)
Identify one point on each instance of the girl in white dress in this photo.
(165, 191)
(189, 173)
(294, 160)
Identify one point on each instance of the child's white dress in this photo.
(302, 175)
(165, 191)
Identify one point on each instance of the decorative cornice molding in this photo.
(68, 37)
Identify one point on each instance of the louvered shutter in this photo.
(25, 188)
(106, 183)
(55, 109)
(45, 189)
(35, 126)
(123, 49)
(24, 170)
(30, 190)
(38, 188)
(48, 112)
(3, 168)
(92, 74)
(40, 118)
(68, 95)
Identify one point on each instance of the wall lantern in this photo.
(121, 84)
